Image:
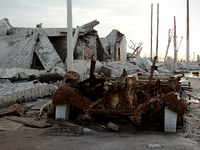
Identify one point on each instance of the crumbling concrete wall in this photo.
(35, 48)
(115, 45)
(4, 23)
(20, 52)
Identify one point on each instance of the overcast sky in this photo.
(130, 17)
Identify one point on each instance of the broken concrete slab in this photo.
(22, 92)
(147, 63)
(194, 66)
(88, 27)
(18, 74)
(116, 68)
(17, 51)
(46, 53)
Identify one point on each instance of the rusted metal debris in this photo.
(141, 100)
(71, 95)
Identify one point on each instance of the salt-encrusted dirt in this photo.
(92, 137)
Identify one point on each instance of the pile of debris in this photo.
(102, 84)
(142, 99)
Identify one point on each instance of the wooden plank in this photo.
(15, 109)
(28, 122)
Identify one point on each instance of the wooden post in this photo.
(151, 29)
(175, 50)
(69, 60)
(188, 42)
(157, 30)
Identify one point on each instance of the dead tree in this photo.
(135, 47)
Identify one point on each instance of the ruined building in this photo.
(46, 48)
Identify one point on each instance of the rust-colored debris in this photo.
(92, 87)
(71, 95)
(173, 102)
(141, 100)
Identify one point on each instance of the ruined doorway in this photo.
(118, 58)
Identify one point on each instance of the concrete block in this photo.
(62, 111)
(170, 120)
(113, 126)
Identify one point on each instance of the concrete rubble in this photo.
(104, 82)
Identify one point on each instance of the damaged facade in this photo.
(36, 48)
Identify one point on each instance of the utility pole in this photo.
(157, 30)
(69, 60)
(175, 49)
(63, 110)
(151, 29)
(188, 42)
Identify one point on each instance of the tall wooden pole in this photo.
(188, 42)
(175, 49)
(151, 29)
(157, 30)
(69, 60)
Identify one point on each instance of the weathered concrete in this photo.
(170, 120)
(116, 68)
(20, 51)
(3, 31)
(116, 46)
(18, 73)
(147, 63)
(88, 27)
(170, 64)
(50, 32)
(4, 23)
(46, 53)
(83, 66)
(194, 66)
(22, 92)
(62, 111)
